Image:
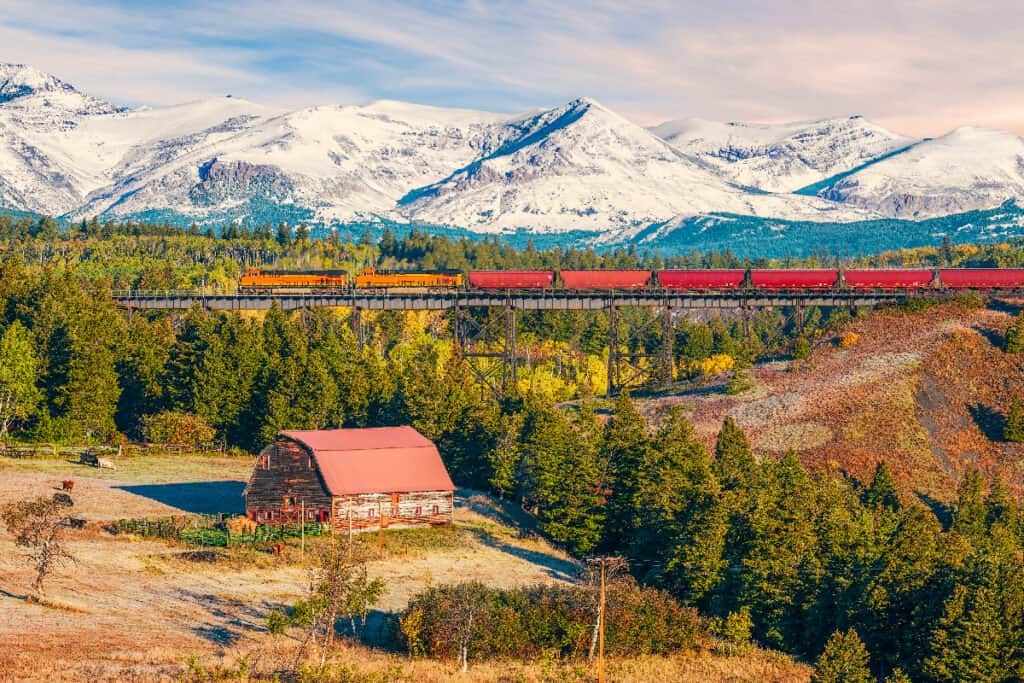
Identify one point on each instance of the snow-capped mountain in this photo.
(582, 166)
(784, 157)
(966, 169)
(579, 166)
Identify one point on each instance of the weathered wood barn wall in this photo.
(354, 479)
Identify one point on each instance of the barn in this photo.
(354, 479)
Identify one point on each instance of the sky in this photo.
(920, 67)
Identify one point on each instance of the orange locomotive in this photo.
(371, 278)
(256, 281)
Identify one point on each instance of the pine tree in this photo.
(734, 463)
(1013, 342)
(881, 493)
(978, 635)
(845, 660)
(1013, 430)
(683, 522)
(969, 514)
(626, 445)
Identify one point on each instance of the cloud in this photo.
(921, 66)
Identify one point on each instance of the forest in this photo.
(762, 547)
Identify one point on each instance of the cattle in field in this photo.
(67, 485)
(105, 463)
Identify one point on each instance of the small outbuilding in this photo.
(353, 479)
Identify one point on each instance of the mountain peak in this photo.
(21, 85)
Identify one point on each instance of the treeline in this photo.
(75, 368)
(765, 546)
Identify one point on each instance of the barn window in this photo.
(436, 509)
(419, 510)
(265, 462)
(259, 515)
(311, 514)
(371, 513)
(310, 462)
(289, 501)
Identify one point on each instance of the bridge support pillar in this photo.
(356, 320)
(667, 356)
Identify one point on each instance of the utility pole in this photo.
(302, 530)
(605, 565)
(600, 632)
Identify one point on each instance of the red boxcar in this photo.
(701, 279)
(606, 279)
(794, 279)
(888, 278)
(982, 278)
(511, 279)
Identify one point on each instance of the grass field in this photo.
(141, 610)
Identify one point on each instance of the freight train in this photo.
(256, 281)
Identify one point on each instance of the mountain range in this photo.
(577, 169)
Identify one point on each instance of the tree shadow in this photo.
(939, 509)
(994, 338)
(218, 635)
(990, 421)
(555, 567)
(200, 497)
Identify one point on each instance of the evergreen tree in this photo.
(881, 493)
(969, 514)
(626, 445)
(1013, 430)
(683, 523)
(978, 637)
(845, 660)
(734, 463)
(1013, 342)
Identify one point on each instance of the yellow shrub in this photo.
(716, 364)
(848, 339)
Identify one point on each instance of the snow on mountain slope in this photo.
(785, 157)
(584, 167)
(33, 107)
(969, 168)
(576, 167)
(341, 162)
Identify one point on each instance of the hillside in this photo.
(924, 391)
(140, 609)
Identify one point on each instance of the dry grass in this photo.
(133, 609)
(922, 390)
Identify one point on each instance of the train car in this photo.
(982, 278)
(511, 279)
(605, 279)
(371, 278)
(702, 280)
(268, 281)
(888, 278)
(813, 278)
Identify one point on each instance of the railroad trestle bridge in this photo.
(496, 365)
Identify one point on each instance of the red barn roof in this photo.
(375, 460)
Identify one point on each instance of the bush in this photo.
(170, 427)
(1013, 430)
(801, 348)
(739, 382)
(542, 621)
(848, 339)
(715, 365)
(1014, 340)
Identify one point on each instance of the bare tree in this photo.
(38, 526)
(339, 588)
